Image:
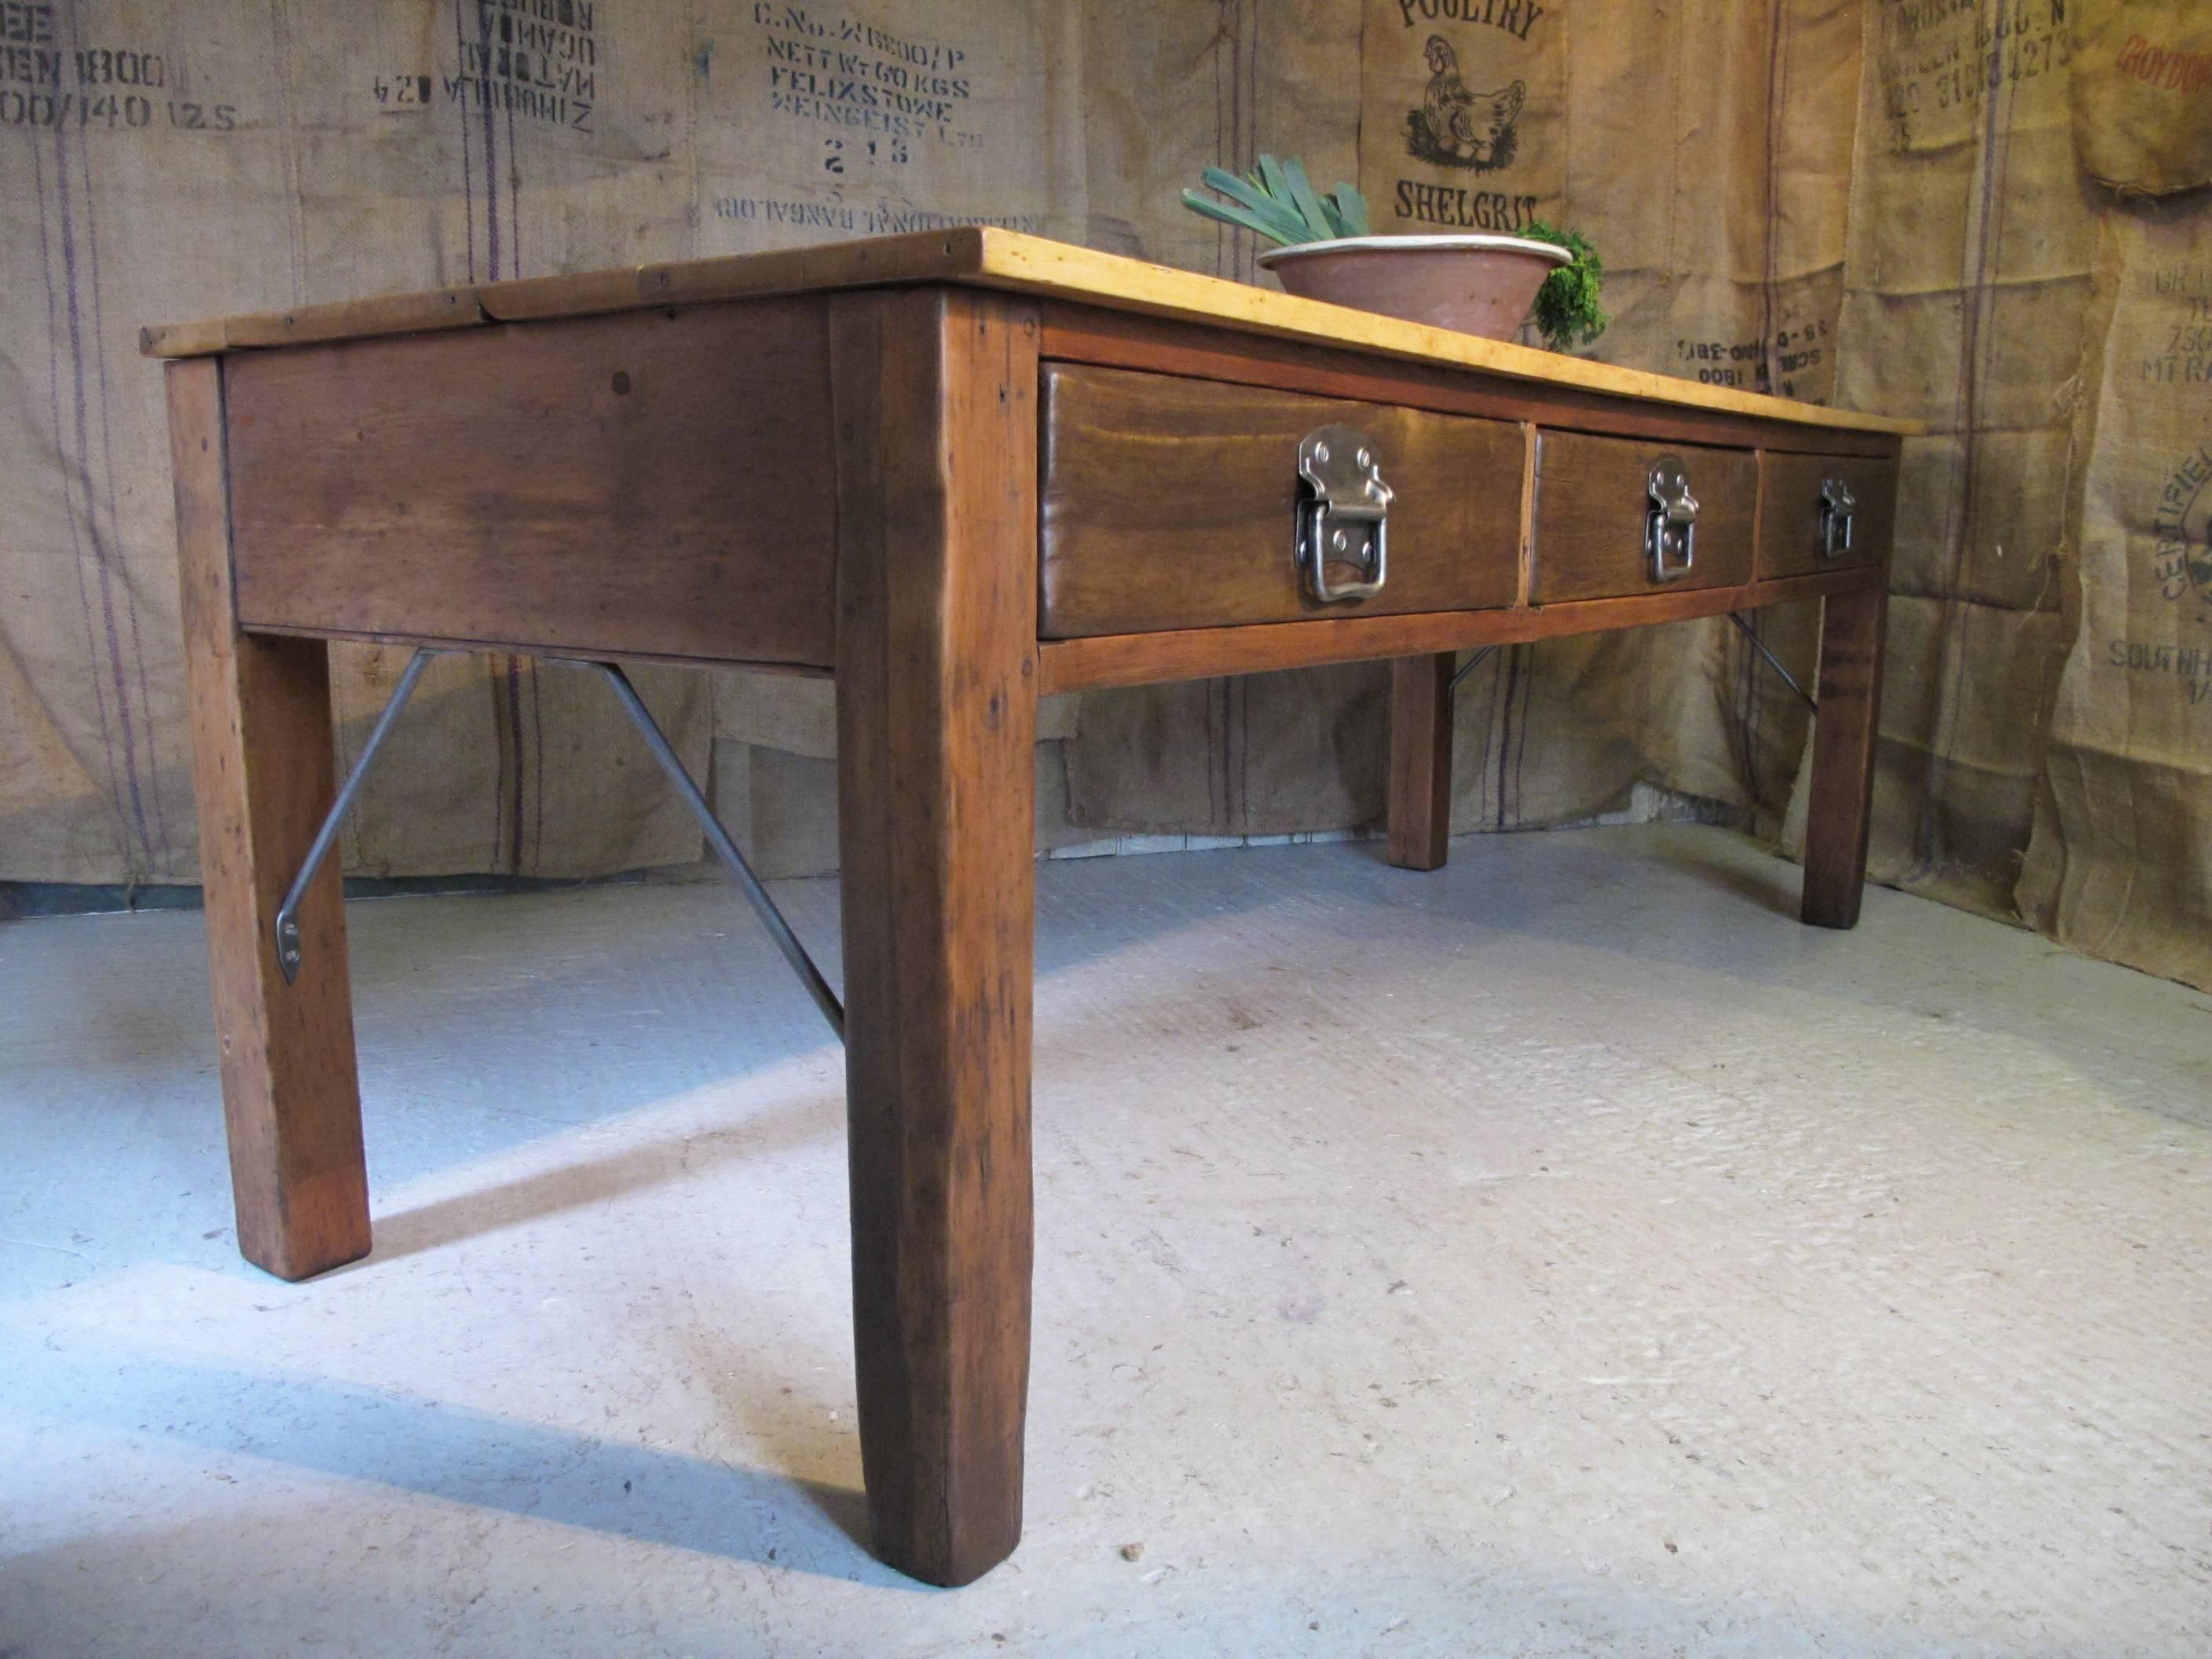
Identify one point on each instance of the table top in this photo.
(977, 256)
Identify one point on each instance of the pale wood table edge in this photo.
(979, 256)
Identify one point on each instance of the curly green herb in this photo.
(1567, 312)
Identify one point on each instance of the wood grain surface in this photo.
(1202, 653)
(263, 776)
(1420, 806)
(937, 693)
(1592, 500)
(649, 484)
(1789, 511)
(1169, 502)
(1124, 339)
(991, 258)
(1844, 733)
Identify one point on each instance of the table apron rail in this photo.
(1196, 653)
(663, 485)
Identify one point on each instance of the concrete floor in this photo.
(1567, 1254)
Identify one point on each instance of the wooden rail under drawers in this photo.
(1200, 654)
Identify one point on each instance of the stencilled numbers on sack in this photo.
(1751, 365)
(47, 81)
(863, 151)
(403, 91)
(536, 59)
(2173, 312)
(888, 90)
(1939, 58)
(2182, 338)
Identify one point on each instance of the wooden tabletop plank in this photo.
(583, 293)
(985, 256)
(203, 339)
(1037, 265)
(348, 319)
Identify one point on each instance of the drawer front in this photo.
(1593, 503)
(1796, 535)
(1168, 502)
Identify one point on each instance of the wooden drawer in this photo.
(1592, 504)
(1168, 502)
(1792, 538)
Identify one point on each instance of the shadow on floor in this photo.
(529, 1198)
(459, 1455)
(700, 964)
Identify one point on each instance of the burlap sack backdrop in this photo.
(1667, 136)
(173, 161)
(1889, 202)
(2120, 865)
(1965, 289)
(1705, 148)
(2143, 93)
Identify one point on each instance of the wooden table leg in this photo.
(263, 772)
(936, 411)
(1843, 736)
(1420, 760)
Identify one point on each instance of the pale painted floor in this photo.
(1567, 1254)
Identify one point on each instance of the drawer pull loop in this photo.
(1838, 505)
(1342, 513)
(1670, 531)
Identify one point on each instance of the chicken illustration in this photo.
(1472, 128)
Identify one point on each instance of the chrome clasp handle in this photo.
(1670, 531)
(1837, 507)
(1343, 514)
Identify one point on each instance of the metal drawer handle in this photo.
(1343, 513)
(1670, 531)
(1838, 505)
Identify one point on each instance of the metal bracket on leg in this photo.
(718, 838)
(1773, 661)
(288, 913)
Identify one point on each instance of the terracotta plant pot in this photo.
(1475, 285)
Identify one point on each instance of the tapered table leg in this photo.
(937, 519)
(1843, 736)
(1421, 761)
(263, 770)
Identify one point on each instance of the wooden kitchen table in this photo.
(955, 471)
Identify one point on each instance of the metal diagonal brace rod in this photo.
(1773, 661)
(1468, 667)
(288, 943)
(288, 913)
(718, 838)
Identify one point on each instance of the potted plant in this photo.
(1477, 284)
